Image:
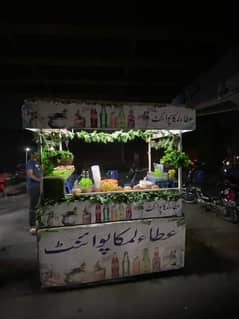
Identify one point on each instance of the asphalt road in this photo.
(208, 286)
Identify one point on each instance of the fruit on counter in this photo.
(154, 186)
(109, 185)
(127, 188)
(76, 191)
(171, 173)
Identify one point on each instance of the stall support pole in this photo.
(180, 168)
(41, 161)
(149, 155)
(60, 141)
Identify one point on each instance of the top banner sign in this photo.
(87, 115)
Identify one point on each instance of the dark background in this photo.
(122, 53)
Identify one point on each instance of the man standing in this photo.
(33, 188)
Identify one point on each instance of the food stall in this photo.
(96, 229)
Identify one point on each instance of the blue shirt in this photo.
(34, 165)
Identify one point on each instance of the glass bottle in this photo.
(125, 265)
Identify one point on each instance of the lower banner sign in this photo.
(98, 252)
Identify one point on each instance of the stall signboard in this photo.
(91, 253)
(87, 212)
(88, 115)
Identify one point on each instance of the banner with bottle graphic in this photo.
(89, 115)
(87, 212)
(91, 253)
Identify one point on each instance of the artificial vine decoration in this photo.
(122, 197)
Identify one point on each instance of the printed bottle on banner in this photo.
(156, 260)
(131, 119)
(136, 265)
(86, 218)
(106, 213)
(112, 122)
(125, 265)
(93, 118)
(128, 212)
(121, 212)
(121, 119)
(113, 213)
(115, 266)
(103, 118)
(146, 261)
(97, 213)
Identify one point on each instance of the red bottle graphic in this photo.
(115, 266)
(86, 218)
(131, 119)
(98, 213)
(93, 118)
(113, 213)
(156, 260)
(136, 265)
(128, 212)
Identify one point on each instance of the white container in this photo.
(96, 175)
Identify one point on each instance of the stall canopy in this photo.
(53, 114)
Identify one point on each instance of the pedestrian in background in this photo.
(33, 188)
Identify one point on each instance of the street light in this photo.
(27, 149)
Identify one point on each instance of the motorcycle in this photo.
(224, 201)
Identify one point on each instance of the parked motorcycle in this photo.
(224, 200)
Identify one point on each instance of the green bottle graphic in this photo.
(125, 265)
(103, 118)
(146, 261)
(106, 213)
(121, 212)
(121, 119)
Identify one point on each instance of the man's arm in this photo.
(32, 176)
